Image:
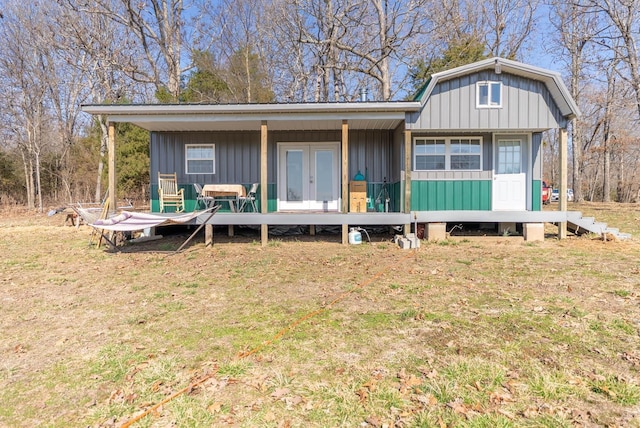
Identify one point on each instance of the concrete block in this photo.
(533, 231)
(436, 231)
(413, 240)
(404, 243)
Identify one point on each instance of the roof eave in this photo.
(249, 109)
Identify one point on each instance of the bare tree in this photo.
(23, 64)
(619, 35)
(158, 27)
(241, 52)
(354, 42)
(508, 25)
(107, 57)
(292, 64)
(575, 27)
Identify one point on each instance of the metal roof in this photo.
(551, 79)
(294, 116)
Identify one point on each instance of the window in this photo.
(509, 157)
(200, 158)
(465, 153)
(433, 154)
(430, 154)
(489, 94)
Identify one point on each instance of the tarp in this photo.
(129, 221)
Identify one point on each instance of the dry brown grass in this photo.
(473, 331)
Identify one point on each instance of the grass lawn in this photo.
(471, 331)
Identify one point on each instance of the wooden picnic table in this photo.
(229, 193)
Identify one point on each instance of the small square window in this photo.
(489, 94)
(200, 158)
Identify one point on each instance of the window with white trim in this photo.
(200, 158)
(489, 94)
(448, 154)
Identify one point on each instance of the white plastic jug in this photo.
(355, 237)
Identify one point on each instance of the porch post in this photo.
(345, 178)
(407, 177)
(562, 198)
(112, 167)
(264, 202)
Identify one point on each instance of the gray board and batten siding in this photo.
(237, 153)
(527, 104)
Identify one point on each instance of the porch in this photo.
(371, 219)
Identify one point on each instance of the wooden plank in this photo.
(345, 166)
(264, 234)
(562, 200)
(407, 176)
(264, 229)
(112, 166)
(208, 235)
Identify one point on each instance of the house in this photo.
(467, 149)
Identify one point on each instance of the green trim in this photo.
(190, 199)
(421, 91)
(536, 194)
(373, 188)
(451, 195)
(272, 198)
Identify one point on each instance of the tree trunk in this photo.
(28, 179)
(621, 189)
(383, 64)
(606, 187)
(38, 181)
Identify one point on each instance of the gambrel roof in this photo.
(551, 79)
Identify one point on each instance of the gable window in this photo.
(489, 94)
(200, 158)
(442, 154)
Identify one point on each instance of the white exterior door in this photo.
(510, 178)
(308, 177)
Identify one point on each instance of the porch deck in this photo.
(408, 221)
(383, 219)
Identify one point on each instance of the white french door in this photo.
(308, 176)
(510, 178)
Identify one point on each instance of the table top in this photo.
(224, 190)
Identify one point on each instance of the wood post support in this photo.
(407, 176)
(562, 199)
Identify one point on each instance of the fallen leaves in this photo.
(279, 393)
(215, 407)
(366, 388)
(632, 358)
(408, 382)
(459, 406)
